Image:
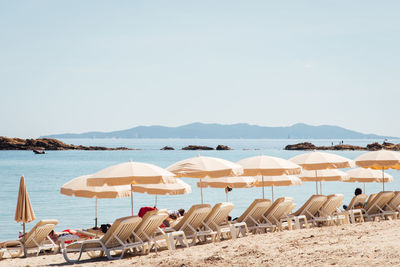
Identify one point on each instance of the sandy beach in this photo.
(370, 243)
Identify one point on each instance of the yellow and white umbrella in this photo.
(379, 160)
(363, 175)
(24, 212)
(317, 161)
(177, 187)
(129, 173)
(78, 187)
(203, 167)
(328, 175)
(268, 166)
(272, 181)
(228, 182)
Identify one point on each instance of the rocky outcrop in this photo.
(192, 147)
(370, 147)
(222, 147)
(7, 143)
(167, 148)
(301, 146)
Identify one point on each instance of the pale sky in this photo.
(77, 66)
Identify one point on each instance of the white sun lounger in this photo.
(150, 234)
(355, 207)
(394, 204)
(253, 215)
(36, 239)
(217, 221)
(277, 213)
(192, 222)
(117, 238)
(376, 208)
(329, 212)
(308, 211)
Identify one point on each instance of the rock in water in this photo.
(192, 147)
(222, 147)
(167, 148)
(301, 146)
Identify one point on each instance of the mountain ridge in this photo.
(229, 131)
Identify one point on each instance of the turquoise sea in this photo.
(45, 174)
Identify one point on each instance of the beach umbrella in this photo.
(228, 183)
(363, 175)
(268, 166)
(130, 173)
(24, 212)
(203, 167)
(317, 161)
(379, 160)
(272, 181)
(78, 187)
(177, 187)
(327, 175)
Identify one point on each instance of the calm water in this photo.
(45, 174)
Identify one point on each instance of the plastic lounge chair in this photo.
(394, 203)
(191, 223)
(217, 221)
(370, 198)
(376, 207)
(36, 239)
(357, 202)
(253, 215)
(354, 209)
(150, 233)
(278, 211)
(329, 211)
(117, 238)
(308, 211)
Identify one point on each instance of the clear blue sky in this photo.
(76, 66)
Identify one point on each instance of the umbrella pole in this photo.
(316, 182)
(383, 179)
(226, 192)
(272, 189)
(320, 187)
(95, 219)
(155, 204)
(132, 199)
(201, 192)
(263, 186)
(23, 238)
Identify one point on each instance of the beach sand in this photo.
(367, 244)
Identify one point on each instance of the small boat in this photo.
(39, 151)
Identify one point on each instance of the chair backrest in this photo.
(218, 215)
(193, 219)
(150, 223)
(358, 200)
(39, 232)
(394, 203)
(379, 202)
(312, 206)
(120, 231)
(331, 205)
(370, 198)
(279, 209)
(255, 212)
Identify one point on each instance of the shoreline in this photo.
(368, 244)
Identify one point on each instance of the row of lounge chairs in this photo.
(204, 223)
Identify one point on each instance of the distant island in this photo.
(232, 131)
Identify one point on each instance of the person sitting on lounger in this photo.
(357, 192)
